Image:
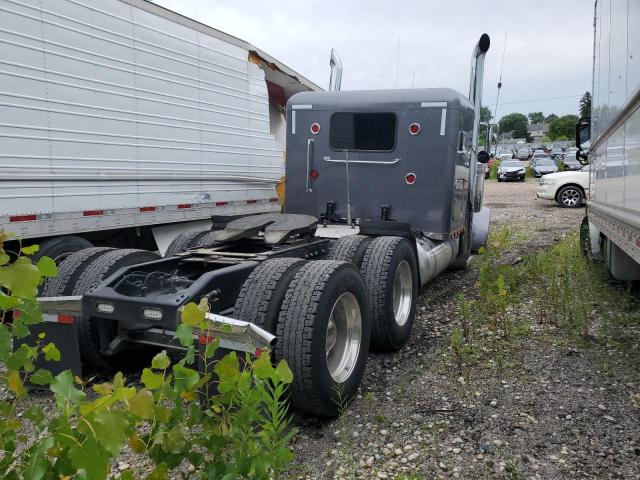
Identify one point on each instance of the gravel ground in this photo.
(553, 409)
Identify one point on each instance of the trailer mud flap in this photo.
(64, 337)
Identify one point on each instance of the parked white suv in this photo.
(568, 189)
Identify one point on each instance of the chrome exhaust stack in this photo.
(475, 84)
(475, 95)
(335, 78)
(436, 256)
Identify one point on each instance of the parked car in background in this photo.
(511, 170)
(543, 166)
(537, 156)
(571, 152)
(523, 153)
(556, 152)
(570, 163)
(568, 189)
(505, 155)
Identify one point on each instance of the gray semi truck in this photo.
(383, 193)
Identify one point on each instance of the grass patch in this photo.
(567, 291)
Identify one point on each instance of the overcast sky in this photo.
(548, 54)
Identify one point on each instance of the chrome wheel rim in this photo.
(402, 293)
(570, 197)
(343, 337)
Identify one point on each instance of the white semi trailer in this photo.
(123, 123)
(612, 225)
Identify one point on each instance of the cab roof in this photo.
(414, 97)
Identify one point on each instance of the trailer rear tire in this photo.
(59, 248)
(390, 273)
(323, 334)
(350, 249)
(69, 271)
(88, 328)
(184, 241)
(261, 295)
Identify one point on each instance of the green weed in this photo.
(241, 430)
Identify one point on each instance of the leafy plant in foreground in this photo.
(228, 419)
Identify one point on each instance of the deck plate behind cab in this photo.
(277, 227)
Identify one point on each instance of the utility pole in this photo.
(495, 111)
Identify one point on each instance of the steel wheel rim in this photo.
(343, 337)
(570, 197)
(402, 293)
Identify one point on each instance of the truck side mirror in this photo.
(583, 134)
(483, 156)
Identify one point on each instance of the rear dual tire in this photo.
(59, 248)
(261, 295)
(94, 334)
(350, 249)
(319, 313)
(70, 270)
(190, 239)
(390, 273)
(323, 333)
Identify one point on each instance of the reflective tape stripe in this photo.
(23, 218)
(443, 121)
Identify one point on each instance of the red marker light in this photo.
(410, 178)
(314, 174)
(414, 128)
(315, 128)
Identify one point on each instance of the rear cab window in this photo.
(363, 131)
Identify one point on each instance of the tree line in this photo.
(559, 127)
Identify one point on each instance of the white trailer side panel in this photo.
(614, 191)
(108, 108)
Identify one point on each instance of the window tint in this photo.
(362, 131)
